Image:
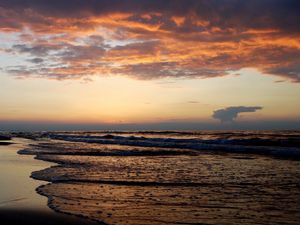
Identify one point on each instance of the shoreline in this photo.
(218, 188)
(19, 201)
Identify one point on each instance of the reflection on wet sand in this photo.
(19, 202)
(135, 205)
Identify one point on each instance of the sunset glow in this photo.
(148, 62)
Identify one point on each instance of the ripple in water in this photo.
(119, 178)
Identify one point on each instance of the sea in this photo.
(171, 177)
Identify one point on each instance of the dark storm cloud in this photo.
(231, 113)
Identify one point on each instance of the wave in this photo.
(90, 149)
(198, 170)
(279, 148)
(282, 140)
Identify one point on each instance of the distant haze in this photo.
(250, 125)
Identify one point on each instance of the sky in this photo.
(149, 64)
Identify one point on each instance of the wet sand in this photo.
(36, 217)
(19, 202)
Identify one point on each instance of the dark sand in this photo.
(36, 217)
(5, 143)
(19, 202)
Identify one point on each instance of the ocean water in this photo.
(172, 177)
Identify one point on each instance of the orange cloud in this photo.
(153, 40)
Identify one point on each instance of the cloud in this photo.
(229, 114)
(154, 39)
(218, 13)
(36, 60)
